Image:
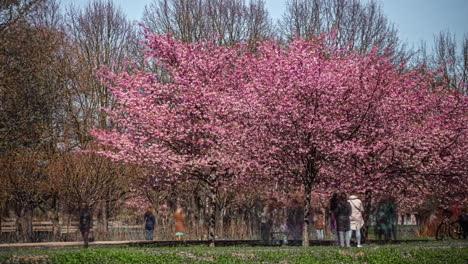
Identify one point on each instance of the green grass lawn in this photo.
(423, 252)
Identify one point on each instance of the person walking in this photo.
(179, 223)
(150, 221)
(356, 218)
(343, 212)
(85, 223)
(319, 224)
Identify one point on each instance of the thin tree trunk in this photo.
(305, 232)
(212, 221)
(221, 223)
(311, 172)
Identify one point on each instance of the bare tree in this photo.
(192, 20)
(12, 11)
(32, 83)
(358, 26)
(99, 34)
(46, 14)
(24, 179)
(448, 57)
(102, 36)
(91, 179)
(451, 59)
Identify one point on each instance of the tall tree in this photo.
(31, 88)
(320, 105)
(187, 125)
(103, 36)
(193, 20)
(359, 26)
(99, 34)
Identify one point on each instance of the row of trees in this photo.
(196, 100)
(309, 115)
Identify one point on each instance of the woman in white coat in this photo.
(356, 220)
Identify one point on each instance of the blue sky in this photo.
(415, 19)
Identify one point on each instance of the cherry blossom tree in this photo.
(408, 156)
(307, 114)
(187, 125)
(320, 107)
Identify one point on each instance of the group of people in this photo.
(150, 222)
(347, 217)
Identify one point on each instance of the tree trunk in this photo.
(221, 224)
(311, 172)
(212, 221)
(305, 231)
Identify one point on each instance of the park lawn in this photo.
(445, 252)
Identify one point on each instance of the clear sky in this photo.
(415, 19)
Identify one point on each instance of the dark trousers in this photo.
(85, 235)
(264, 232)
(149, 234)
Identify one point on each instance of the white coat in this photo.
(357, 209)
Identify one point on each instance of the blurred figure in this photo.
(284, 226)
(150, 222)
(265, 224)
(386, 218)
(463, 220)
(295, 218)
(393, 217)
(278, 224)
(333, 206)
(356, 219)
(343, 211)
(85, 223)
(179, 223)
(319, 224)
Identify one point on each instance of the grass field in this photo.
(421, 252)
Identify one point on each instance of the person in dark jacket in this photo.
(150, 222)
(343, 212)
(85, 223)
(463, 221)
